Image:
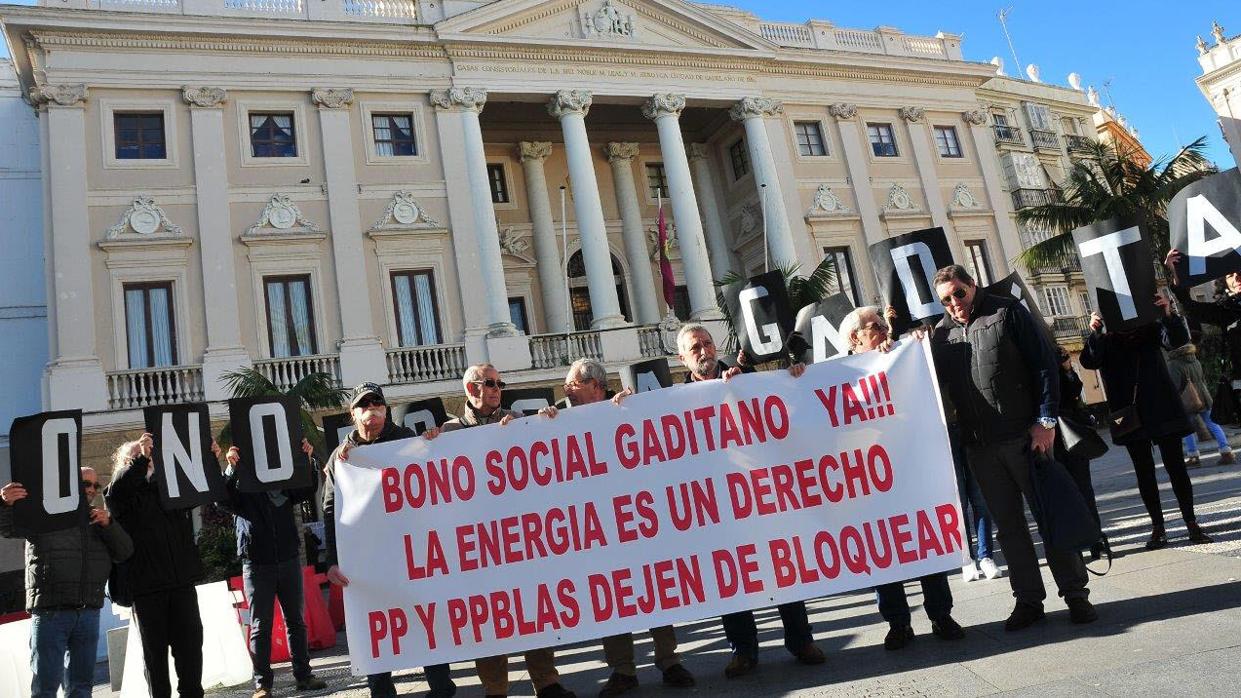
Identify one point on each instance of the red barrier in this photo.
(320, 632)
(279, 633)
(336, 606)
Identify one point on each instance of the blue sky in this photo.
(1145, 48)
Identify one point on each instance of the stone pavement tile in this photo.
(1191, 675)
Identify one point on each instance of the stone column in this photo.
(997, 197)
(857, 162)
(75, 375)
(713, 225)
(490, 333)
(361, 354)
(751, 112)
(924, 160)
(665, 110)
(546, 242)
(570, 107)
(620, 156)
(225, 350)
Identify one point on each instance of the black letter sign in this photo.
(268, 431)
(816, 335)
(761, 314)
(1013, 287)
(44, 452)
(1204, 219)
(1118, 264)
(186, 471)
(422, 415)
(527, 401)
(905, 265)
(651, 375)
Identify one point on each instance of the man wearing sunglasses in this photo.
(369, 411)
(1000, 373)
(483, 388)
(65, 575)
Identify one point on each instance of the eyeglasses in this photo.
(491, 383)
(90, 485)
(370, 402)
(874, 326)
(571, 385)
(957, 294)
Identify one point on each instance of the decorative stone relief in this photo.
(826, 201)
(144, 218)
(899, 199)
(697, 151)
(621, 151)
(1202, 45)
(63, 95)
(403, 213)
(652, 240)
(534, 150)
(460, 98)
(207, 97)
(1217, 32)
(843, 111)
(331, 98)
(664, 104)
(912, 114)
(514, 243)
(975, 117)
(606, 21)
(756, 108)
(962, 197)
(570, 102)
(751, 218)
(282, 216)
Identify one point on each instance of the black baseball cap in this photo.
(363, 390)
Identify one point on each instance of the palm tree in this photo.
(315, 391)
(803, 290)
(1108, 183)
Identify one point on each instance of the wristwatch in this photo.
(1047, 422)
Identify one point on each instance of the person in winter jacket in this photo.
(162, 573)
(371, 425)
(1186, 370)
(269, 547)
(1134, 373)
(65, 575)
(1224, 312)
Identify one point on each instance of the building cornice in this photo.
(109, 40)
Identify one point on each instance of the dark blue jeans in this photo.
(53, 634)
(742, 633)
(973, 506)
(936, 599)
(264, 584)
(439, 678)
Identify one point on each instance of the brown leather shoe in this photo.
(740, 665)
(311, 683)
(1227, 458)
(810, 654)
(677, 676)
(618, 684)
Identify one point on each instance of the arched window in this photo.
(579, 294)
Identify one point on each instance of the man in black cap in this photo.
(369, 412)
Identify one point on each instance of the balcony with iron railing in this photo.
(1070, 327)
(1077, 144)
(1028, 198)
(1068, 263)
(428, 363)
(144, 387)
(1008, 135)
(286, 372)
(1044, 140)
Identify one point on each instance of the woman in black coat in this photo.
(1134, 372)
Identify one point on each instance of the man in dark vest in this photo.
(1000, 373)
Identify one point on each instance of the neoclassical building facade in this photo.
(393, 190)
(1220, 83)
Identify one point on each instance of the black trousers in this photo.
(1174, 464)
(170, 620)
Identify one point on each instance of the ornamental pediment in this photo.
(632, 23)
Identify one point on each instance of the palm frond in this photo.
(318, 391)
(802, 290)
(249, 382)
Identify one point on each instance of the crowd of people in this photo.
(1005, 387)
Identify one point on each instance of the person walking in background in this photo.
(1135, 375)
(865, 331)
(65, 575)
(1224, 312)
(1191, 383)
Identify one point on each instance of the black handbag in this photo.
(1080, 439)
(1126, 420)
(1063, 516)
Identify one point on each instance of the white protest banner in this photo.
(680, 504)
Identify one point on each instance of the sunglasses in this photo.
(370, 402)
(957, 294)
(491, 383)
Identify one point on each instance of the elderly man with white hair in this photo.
(865, 330)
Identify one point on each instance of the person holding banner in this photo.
(268, 545)
(866, 331)
(483, 389)
(162, 573)
(1224, 313)
(585, 384)
(696, 350)
(369, 412)
(999, 371)
(65, 575)
(1135, 375)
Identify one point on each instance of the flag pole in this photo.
(564, 246)
(762, 195)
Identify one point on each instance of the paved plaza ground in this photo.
(1169, 624)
